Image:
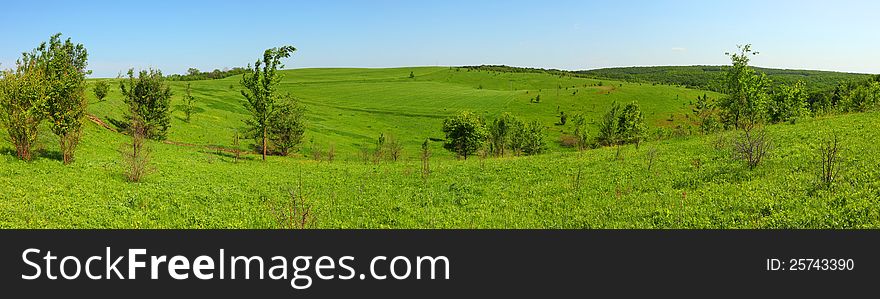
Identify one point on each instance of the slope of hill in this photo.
(349, 108)
(709, 77)
(691, 183)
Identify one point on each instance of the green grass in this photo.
(351, 107)
(193, 187)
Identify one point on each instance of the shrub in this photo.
(63, 65)
(101, 90)
(830, 160)
(499, 133)
(22, 92)
(752, 146)
(426, 159)
(188, 103)
(136, 156)
(531, 136)
(465, 133)
(286, 127)
(788, 103)
(394, 148)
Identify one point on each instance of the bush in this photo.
(465, 133)
(752, 146)
(830, 160)
(286, 127)
(22, 92)
(528, 138)
(136, 156)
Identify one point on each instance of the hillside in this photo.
(708, 77)
(349, 108)
(692, 182)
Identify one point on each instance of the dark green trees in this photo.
(101, 90)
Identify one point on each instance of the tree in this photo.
(188, 103)
(395, 148)
(22, 92)
(411, 75)
(631, 124)
(149, 100)
(609, 132)
(580, 131)
(745, 104)
(192, 71)
(788, 103)
(260, 83)
(532, 136)
(562, 118)
(64, 68)
(465, 133)
(101, 90)
(705, 112)
(286, 127)
(499, 133)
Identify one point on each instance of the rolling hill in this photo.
(684, 182)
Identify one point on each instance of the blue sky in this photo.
(175, 35)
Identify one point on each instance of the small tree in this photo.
(705, 112)
(394, 148)
(465, 133)
(499, 133)
(411, 75)
(136, 154)
(746, 101)
(532, 135)
(22, 93)
(260, 83)
(64, 66)
(380, 148)
(426, 159)
(829, 156)
(609, 132)
(631, 124)
(149, 101)
(101, 90)
(188, 103)
(580, 132)
(286, 127)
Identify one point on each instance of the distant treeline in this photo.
(193, 74)
(711, 77)
(513, 69)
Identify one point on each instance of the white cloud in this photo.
(679, 49)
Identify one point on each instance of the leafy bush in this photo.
(22, 93)
(286, 127)
(465, 133)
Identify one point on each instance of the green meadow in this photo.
(690, 181)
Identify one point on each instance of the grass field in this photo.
(351, 107)
(693, 183)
